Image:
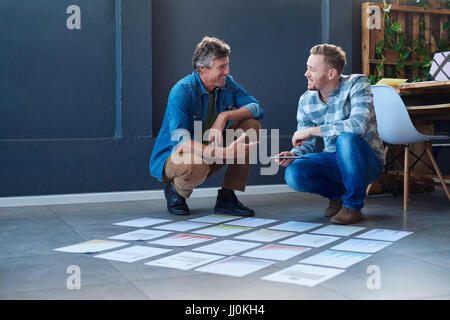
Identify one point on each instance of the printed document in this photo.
(310, 240)
(184, 260)
(264, 235)
(182, 240)
(132, 254)
(92, 246)
(228, 247)
(295, 226)
(140, 234)
(251, 222)
(337, 230)
(360, 245)
(235, 266)
(222, 230)
(182, 226)
(214, 218)
(276, 252)
(338, 259)
(303, 275)
(384, 234)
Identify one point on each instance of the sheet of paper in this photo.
(251, 222)
(140, 234)
(338, 259)
(295, 226)
(235, 266)
(384, 234)
(228, 247)
(141, 222)
(264, 235)
(182, 226)
(184, 260)
(182, 240)
(222, 230)
(92, 246)
(338, 230)
(362, 245)
(276, 252)
(310, 240)
(214, 218)
(132, 254)
(303, 275)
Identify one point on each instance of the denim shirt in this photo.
(188, 102)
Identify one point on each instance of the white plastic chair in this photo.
(395, 127)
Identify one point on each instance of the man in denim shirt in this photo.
(338, 108)
(190, 146)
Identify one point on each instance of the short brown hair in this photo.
(207, 50)
(333, 55)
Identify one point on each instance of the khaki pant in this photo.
(186, 171)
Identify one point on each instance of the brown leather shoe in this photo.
(333, 207)
(347, 216)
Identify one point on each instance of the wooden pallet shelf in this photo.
(408, 17)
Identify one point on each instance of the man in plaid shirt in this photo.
(338, 108)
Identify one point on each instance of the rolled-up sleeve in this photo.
(246, 100)
(303, 123)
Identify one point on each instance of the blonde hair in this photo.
(333, 55)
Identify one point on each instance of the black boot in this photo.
(176, 204)
(228, 203)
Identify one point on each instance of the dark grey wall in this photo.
(270, 42)
(80, 109)
(72, 118)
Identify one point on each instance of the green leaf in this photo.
(446, 25)
(388, 8)
(397, 46)
(372, 79)
(404, 54)
(421, 51)
(379, 67)
(399, 65)
(426, 64)
(396, 26)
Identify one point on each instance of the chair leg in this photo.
(406, 179)
(436, 167)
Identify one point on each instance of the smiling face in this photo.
(318, 72)
(215, 75)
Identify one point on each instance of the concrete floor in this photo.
(415, 267)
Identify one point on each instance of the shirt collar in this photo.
(202, 88)
(338, 87)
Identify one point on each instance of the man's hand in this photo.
(285, 162)
(238, 149)
(302, 135)
(215, 133)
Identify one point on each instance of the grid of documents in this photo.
(317, 252)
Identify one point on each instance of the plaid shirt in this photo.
(349, 109)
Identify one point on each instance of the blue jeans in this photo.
(343, 174)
